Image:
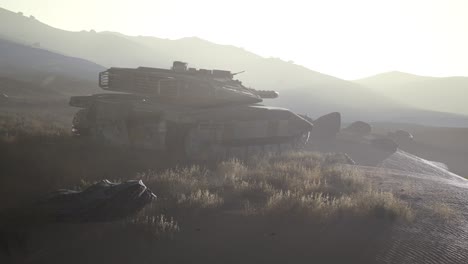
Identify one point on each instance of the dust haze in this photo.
(240, 132)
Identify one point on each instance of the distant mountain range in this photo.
(301, 89)
(20, 60)
(447, 94)
(36, 73)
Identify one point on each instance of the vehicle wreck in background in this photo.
(198, 114)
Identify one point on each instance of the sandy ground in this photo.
(425, 185)
(433, 236)
(436, 235)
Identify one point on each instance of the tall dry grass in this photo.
(299, 183)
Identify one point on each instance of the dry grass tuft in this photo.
(13, 126)
(382, 205)
(443, 211)
(300, 183)
(156, 225)
(201, 198)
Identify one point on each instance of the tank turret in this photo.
(182, 85)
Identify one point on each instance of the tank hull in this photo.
(194, 133)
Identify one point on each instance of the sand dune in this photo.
(439, 233)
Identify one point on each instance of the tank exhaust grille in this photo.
(104, 79)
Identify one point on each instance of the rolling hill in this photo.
(114, 49)
(47, 70)
(446, 94)
(20, 61)
(301, 89)
(36, 82)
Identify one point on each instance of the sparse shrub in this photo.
(293, 183)
(442, 211)
(201, 198)
(343, 180)
(158, 225)
(381, 205)
(316, 204)
(173, 182)
(231, 172)
(15, 126)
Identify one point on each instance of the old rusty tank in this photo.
(195, 113)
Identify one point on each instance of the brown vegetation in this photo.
(297, 195)
(298, 183)
(443, 211)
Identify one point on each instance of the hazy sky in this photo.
(345, 38)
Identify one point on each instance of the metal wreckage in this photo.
(193, 113)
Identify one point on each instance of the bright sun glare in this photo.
(347, 39)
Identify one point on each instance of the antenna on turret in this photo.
(237, 73)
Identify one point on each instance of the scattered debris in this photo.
(103, 201)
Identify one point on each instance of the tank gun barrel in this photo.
(236, 73)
